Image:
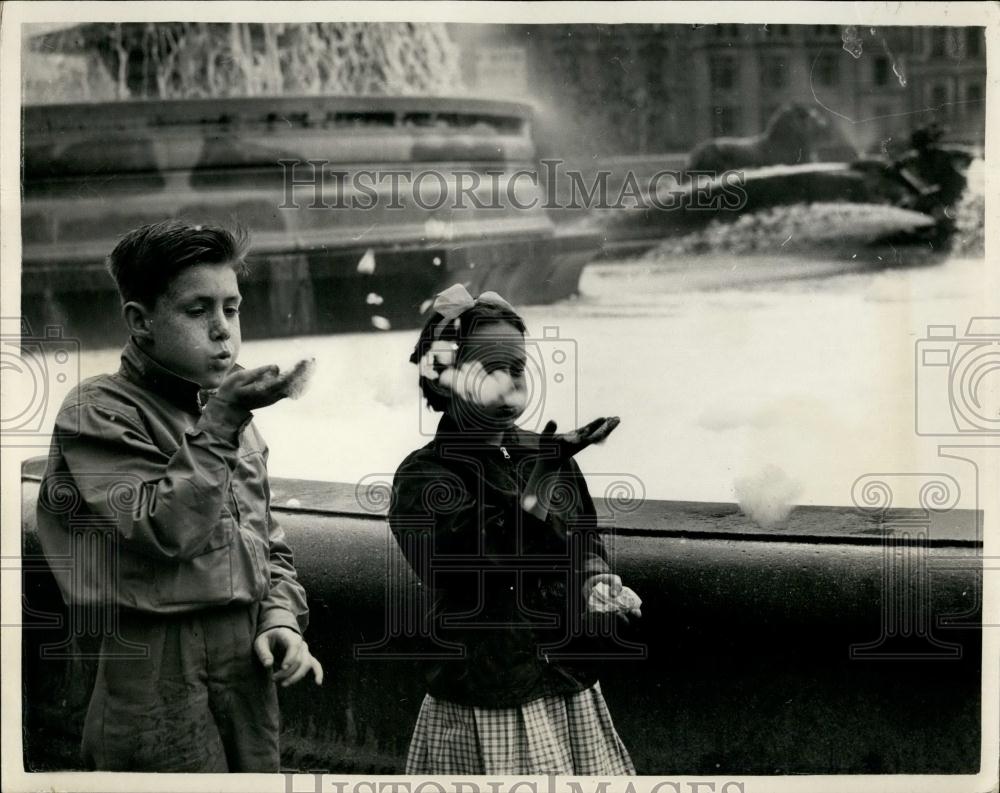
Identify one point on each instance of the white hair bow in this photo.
(456, 300)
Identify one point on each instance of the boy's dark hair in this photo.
(147, 259)
(457, 332)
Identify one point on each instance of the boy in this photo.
(161, 463)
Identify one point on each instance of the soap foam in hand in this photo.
(625, 602)
(628, 601)
(296, 379)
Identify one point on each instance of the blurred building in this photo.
(949, 77)
(885, 82)
(636, 89)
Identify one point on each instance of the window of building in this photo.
(774, 71)
(974, 93)
(880, 70)
(939, 95)
(722, 70)
(939, 42)
(825, 31)
(725, 120)
(783, 30)
(827, 69)
(655, 57)
(569, 65)
(973, 42)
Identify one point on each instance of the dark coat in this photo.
(507, 615)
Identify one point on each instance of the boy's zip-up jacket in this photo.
(157, 500)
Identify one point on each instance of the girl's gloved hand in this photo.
(537, 493)
(605, 593)
(569, 443)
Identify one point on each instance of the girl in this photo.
(499, 523)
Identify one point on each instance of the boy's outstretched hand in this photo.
(293, 652)
(253, 388)
(257, 388)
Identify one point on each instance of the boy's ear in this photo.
(138, 320)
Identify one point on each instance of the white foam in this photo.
(366, 264)
(299, 377)
(768, 495)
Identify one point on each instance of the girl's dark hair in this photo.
(147, 259)
(458, 333)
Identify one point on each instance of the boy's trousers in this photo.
(200, 701)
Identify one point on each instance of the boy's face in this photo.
(194, 328)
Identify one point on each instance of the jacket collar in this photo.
(140, 368)
(449, 432)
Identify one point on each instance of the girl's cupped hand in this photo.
(536, 498)
(569, 443)
(605, 593)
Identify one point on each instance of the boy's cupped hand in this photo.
(257, 388)
(295, 660)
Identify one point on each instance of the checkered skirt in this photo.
(570, 734)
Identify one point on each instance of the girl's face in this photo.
(499, 348)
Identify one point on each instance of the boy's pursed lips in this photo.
(224, 358)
